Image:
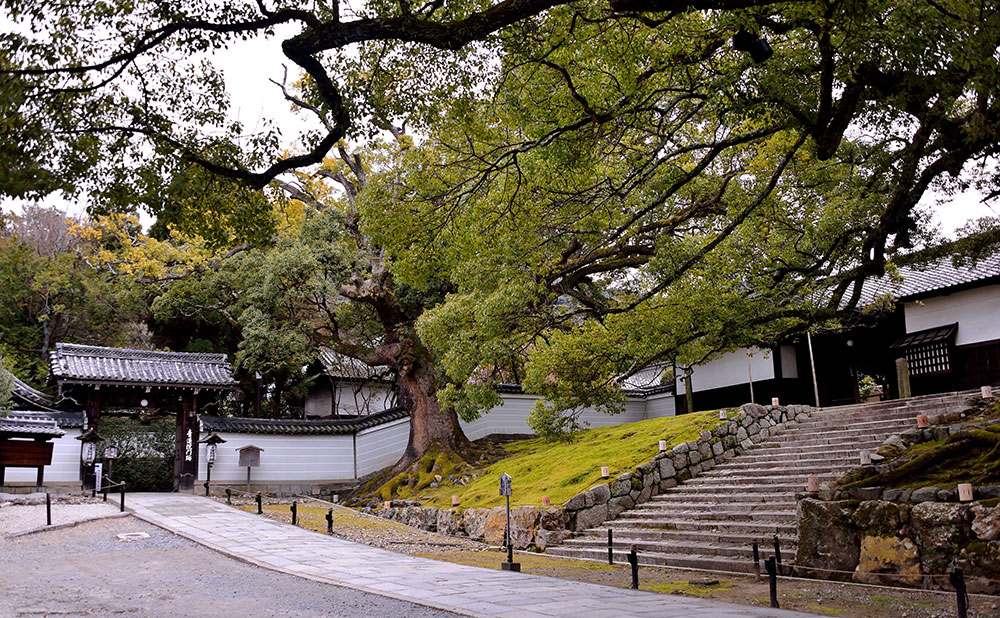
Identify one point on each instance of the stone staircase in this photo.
(710, 521)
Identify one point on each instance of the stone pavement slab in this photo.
(467, 590)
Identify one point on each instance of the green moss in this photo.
(557, 470)
(822, 609)
(686, 588)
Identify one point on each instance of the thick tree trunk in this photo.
(430, 425)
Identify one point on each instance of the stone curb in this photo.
(64, 525)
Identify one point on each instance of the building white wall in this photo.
(731, 369)
(512, 417)
(977, 312)
(380, 447)
(65, 466)
(352, 398)
(285, 458)
(660, 406)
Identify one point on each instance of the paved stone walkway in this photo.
(461, 589)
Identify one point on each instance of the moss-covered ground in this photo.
(946, 463)
(559, 470)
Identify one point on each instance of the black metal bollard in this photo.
(957, 579)
(295, 512)
(777, 550)
(229, 496)
(121, 497)
(206, 488)
(104, 491)
(633, 559)
(260, 504)
(772, 580)
(756, 559)
(48, 509)
(611, 557)
(329, 521)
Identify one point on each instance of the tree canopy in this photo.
(596, 186)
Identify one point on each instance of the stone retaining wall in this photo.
(539, 528)
(880, 542)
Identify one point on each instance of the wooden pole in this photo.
(812, 365)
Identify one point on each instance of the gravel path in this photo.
(19, 518)
(88, 571)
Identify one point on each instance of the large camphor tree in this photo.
(604, 185)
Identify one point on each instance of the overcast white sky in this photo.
(250, 64)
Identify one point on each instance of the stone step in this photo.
(749, 528)
(773, 515)
(777, 470)
(798, 434)
(780, 450)
(808, 433)
(744, 551)
(724, 497)
(758, 457)
(737, 478)
(709, 563)
(769, 462)
(626, 535)
(729, 486)
(829, 440)
(670, 508)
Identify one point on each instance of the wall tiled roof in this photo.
(86, 363)
(301, 427)
(15, 427)
(65, 420)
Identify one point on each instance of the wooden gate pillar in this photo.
(186, 455)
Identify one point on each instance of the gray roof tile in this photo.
(301, 427)
(71, 362)
(29, 428)
(936, 276)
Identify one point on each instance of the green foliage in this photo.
(6, 389)
(145, 451)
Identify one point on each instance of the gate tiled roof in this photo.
(94, 364)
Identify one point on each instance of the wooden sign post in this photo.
(249, 458)
(505, 491)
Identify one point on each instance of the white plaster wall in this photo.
(380, 447)
(976, 311)
(659, 406)
(512, 416)
(285, 458)
(65, 466)
(730, 369)
(362, 399)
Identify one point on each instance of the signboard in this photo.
(505, 485)
(98, 474)
(249, 456)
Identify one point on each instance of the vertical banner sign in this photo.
(98, 473)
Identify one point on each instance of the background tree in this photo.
(48, 293)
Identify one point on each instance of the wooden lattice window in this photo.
(929, 358)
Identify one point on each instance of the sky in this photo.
(249, 65)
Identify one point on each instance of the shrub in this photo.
(145, 452)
